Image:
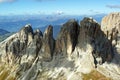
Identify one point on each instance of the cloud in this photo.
(94, 11)
(59, 12)
(2, 1)
(91, 10)
(113, 6)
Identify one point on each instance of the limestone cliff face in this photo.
(91, 33)
(111, 27)
(78, 49)
(67, 38)
(27, 45)
(48, 43)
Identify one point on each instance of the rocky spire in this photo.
(67, 38)
(91, 33)
(26, 33)
(111, 26)
(48, 43)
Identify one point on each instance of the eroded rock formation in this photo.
(78, 49)
(111, 26)
(92, 34)
(67, 38)
(48, 43)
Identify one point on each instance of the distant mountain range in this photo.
(14, 26)
(14, 23)
(3, 32)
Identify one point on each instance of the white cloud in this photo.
(59, 12)
(113, 6)
(94, 11)
(1, 1)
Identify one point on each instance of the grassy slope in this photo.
(94, 75)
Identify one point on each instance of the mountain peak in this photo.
(27, 28)
(78, 49)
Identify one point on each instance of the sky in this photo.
(60, 7)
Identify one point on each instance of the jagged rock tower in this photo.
(78, 49)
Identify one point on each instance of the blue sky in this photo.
(61, 7)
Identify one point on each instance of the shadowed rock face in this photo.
(48, 43)
(31, 44)
(90, 33)
(18, 44)
(38, 40)
(111, 27)
(77, 46)
(26, 34)
(67, 38)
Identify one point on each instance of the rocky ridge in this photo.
(111, 26)
(78, 49)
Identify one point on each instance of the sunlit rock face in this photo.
(77, 50)
(48, 43)
(111, 27)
